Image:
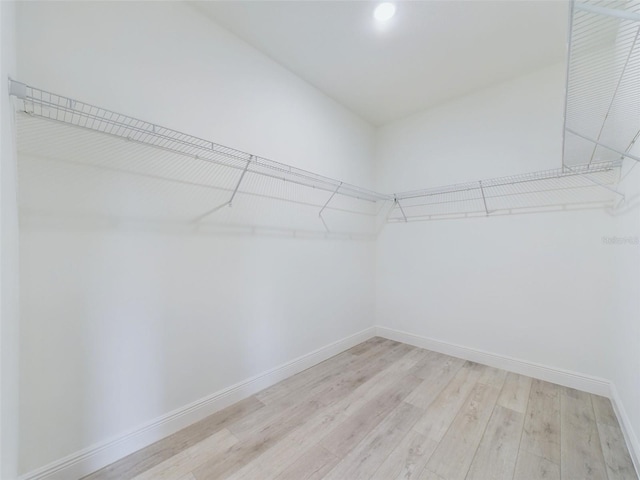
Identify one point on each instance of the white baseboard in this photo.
(95, 457)
(586, 383)
(627, 429)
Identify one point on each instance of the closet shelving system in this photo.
(602, 111)
(602, 124)
(114, 169)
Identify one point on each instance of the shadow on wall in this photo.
(72, 178)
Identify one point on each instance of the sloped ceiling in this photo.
(429, 52)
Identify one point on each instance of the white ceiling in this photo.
(431, 51)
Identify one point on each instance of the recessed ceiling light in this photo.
(384, 11)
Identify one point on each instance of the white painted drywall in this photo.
(624, 243)
(171, 64)
(122, 326)
(543, 288)
(510, 128)
(534, 287)
(9, 303)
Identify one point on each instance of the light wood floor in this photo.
(385, 410)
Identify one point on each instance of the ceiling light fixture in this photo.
(384, 11)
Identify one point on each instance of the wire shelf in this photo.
(602, 118)
(81, 175)
(120, 169)
(585, 186)
(41, 103)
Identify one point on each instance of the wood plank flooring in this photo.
(387, 411)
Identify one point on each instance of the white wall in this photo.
(8, 255)
(511, 128)
(120, 327)
(625, 318)
(533, 287)
(170, 64)
(544, 287)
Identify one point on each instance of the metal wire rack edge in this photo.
(87, 116)
(52, 106)
(580, 170)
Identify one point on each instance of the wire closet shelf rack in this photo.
(583, 186)
(261, 190)
(602, 110)
(44, 104)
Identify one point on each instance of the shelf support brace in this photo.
(325, 206)
(228, 203)
(631, 144)
(397, 202)
(235, 190)
(484, 199)
(385, 220)
(622, 154)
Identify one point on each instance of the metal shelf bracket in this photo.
(325, 206)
